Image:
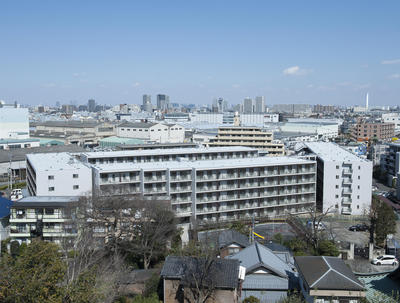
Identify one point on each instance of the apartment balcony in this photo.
(347, 171)
(347, 191)
(20, 233)
(347, 181)
(346, 211)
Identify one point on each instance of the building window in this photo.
(337, 186)
(75, 176)
(336, 196)
(75, 187)
(359, 167)
(358, 177)
(51, 188)
(50, 177)
(358, 186)
(337, 176)
(358, 206)
(358, 197)
(337, 166)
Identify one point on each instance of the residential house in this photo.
(217, 279)
(231, 241)
(268, 277)
(328, 280)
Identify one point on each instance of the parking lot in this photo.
(339, 230)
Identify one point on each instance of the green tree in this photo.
(297, 246)
(293, 298)
(251, 299)
(327, 248)
(33, 276)
(278, 238)
(382, 219)
(241, 227)
(151, 299)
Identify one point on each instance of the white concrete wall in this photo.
(176, 134)
(13, 121)
(63, 182)
(361, 186)
(206, 117)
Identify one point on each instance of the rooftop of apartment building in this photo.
(55, 161)
(20, 153)
(329, 151)
(172, 151)
(45, 201)
(202, 164)
(70, 123)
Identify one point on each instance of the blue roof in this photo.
(5, 206)
(257, 255)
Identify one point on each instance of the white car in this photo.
(385, 260)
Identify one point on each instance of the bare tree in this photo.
(130, 224)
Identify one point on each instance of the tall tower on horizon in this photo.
(366, 103)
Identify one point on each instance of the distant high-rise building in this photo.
(68, 108)
(260, 104)
(248, 105)
(147, 106)
(220, 105)
(162, 102)
(91, 105)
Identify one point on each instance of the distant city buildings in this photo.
(91, 105)
(162, 102)
(254, 137)
(364, 131)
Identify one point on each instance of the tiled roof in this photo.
(231, 236)
(222, 273)
(329, 273)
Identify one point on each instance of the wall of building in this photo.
(14, 123)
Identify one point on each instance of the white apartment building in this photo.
(205, 184)
(57, 174)
(392, 118)
(48, 218)
(154, 132)
(344, 180)
(217, 190)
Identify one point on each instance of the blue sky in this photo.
(327, 52)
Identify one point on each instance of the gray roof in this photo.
(20, 153)
(45, 201)
(223, 273)
(231, 236)
(71, 123)
(137, 124)
(327, 273)
(257, 255)
(257, 281)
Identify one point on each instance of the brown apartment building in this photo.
(364, 131)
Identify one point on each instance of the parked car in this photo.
(318, 226)
(385, 260)
(359, 227)
(16, 194)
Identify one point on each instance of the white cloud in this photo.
(295, 71)
(394, 76)
(136, 84)
(394, 61)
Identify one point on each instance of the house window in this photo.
(51, 188)
(75, 187)
(75, 176)
(51, 177)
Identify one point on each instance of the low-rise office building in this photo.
(48, 218)
(152, 132)
(254, 137)
(344, 180)
(390, 162)
(18, 143)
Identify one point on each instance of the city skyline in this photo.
(314, 53)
